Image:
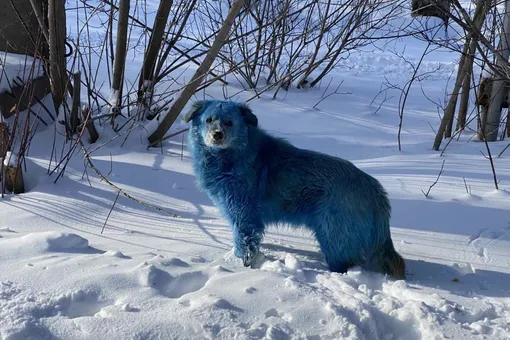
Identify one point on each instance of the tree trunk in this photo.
(466, 87)
(478, 19)
(37, 8)
(57, 33)
(75, 120)
(508, 122)
(461, 74)
(489, 130)
(199, 75)
(171, 44)
(120, 56)
(448, 114)
(158, 31)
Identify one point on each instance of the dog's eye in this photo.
(208, 120)
(228, 123)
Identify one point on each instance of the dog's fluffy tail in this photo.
(391, 262)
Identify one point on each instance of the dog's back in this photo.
(290, 174)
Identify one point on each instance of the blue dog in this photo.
(256, 179)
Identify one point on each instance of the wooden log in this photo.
(14, 179)
(4, 139)
(14, 176)
(89, 124)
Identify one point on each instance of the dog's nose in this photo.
(218, 135)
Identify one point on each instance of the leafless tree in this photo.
(484, 28)
(277, 44)
(57, 35)
(149, 63)
(197, 78)
(120, 57)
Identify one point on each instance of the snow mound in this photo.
(55, 241)
(43, 242)
(116, 253)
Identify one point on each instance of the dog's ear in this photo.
(196, 109)
(248, 115)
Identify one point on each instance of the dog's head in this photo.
(221, 124)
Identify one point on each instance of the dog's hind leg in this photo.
(338, 265)
(335, 254)
(346, 236)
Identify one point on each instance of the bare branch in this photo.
(435, 182)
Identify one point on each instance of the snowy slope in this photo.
(152, 276)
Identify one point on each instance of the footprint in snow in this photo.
(170, 286)
(81, 304)
(175, 262)
(272, 313)
(116, 253)
(250, 290)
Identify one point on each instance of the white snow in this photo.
(152, 276)
(113, 98)
(10, 159)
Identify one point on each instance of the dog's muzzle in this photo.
(218, 136)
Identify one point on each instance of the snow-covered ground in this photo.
(152, 276)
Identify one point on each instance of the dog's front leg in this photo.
(247, 242)
(247, 229)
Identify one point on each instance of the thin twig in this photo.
(437, 180)
(489, 157)
(125, 194)
(324, 97)
(501, 153)
(113, 205)
(466, 186)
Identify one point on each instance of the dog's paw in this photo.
(246, 254)
(249, 256)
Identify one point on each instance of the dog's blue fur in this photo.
(256, 180)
